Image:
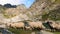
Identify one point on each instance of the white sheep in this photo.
(36, 24)
(55, 25)
(19, 25)
(16, 25)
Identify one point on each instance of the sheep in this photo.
(36, 25)
(40, 25)
(55, 26)
(19, 25)
(32, 25)
(16, 25)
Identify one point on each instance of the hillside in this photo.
(37, 12)
(43, 16)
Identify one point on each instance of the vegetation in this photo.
(2, 11)
(19, 31)
(57, 1)
(45, 17)
(34, 14)
(56, 32)
(53, 15)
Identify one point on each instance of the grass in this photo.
(56, 32)
(57, 1)
(45, 16)
(19, 31)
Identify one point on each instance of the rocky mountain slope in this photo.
(38, 11)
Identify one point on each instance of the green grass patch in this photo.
(56, 32)
(19, 31)
(57, 1)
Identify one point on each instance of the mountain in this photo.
(39, 10)
(9, 6)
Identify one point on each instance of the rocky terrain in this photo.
(34, 13)
(42, 15)
(41, 10)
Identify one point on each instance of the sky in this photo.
(27, 3)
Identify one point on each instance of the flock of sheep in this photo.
(33, 25)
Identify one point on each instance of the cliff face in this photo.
(34, 13)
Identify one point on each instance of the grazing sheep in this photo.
(19, 25)
(16, 25)
(40, 25)
(55, 26)
(36, 25)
